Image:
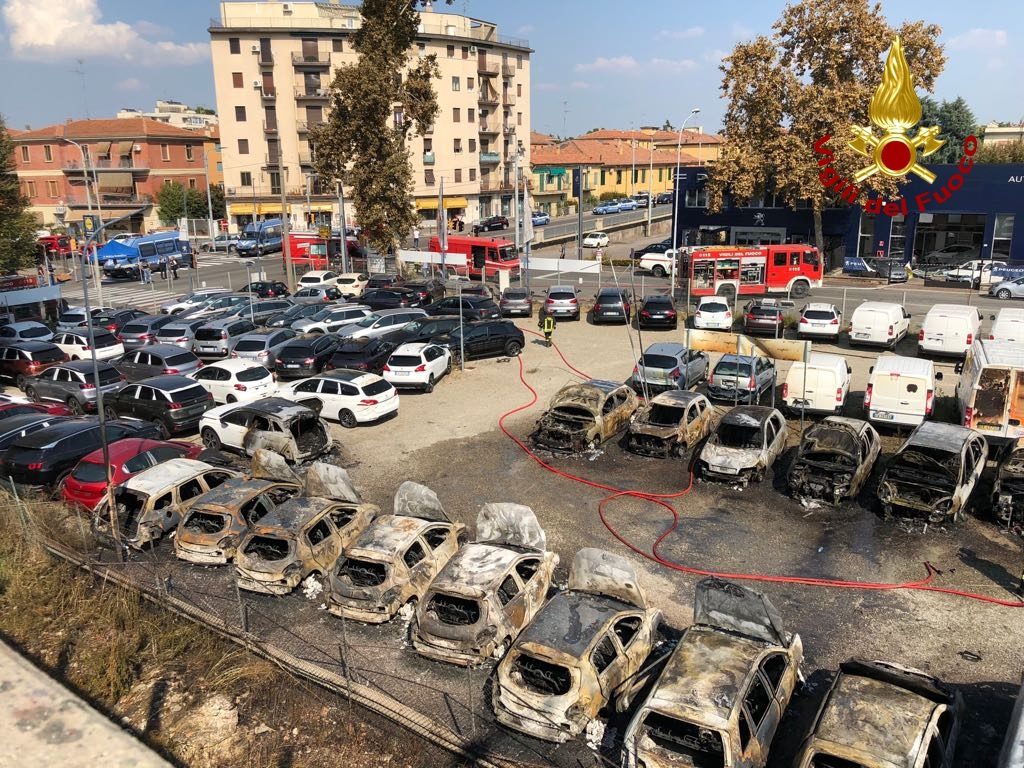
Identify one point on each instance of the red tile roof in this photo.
(658, 137)
(608, 153)
(127, 128)
(539, 139)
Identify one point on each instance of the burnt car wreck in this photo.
(670, 425)
(582, 416)
(1008, 492)
(834, 460)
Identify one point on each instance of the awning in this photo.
(125, 147)
(103, 148)
(319, 207)
(552, 171)
(430, 203)
(118, 180)
(272, 207)
(241, 209)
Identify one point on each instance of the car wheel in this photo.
(513, 348)
(449, 368)
(230, 399)
(429, 386)
(109, 413)
(1003, 294)
(165, 431)
(58, 487)
(210, 439)
(347, 419)
(659, 271)
(19, 381)
(801, 289)
(74, 406)
(31, 394)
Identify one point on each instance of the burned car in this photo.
(934, 472)
(393, 561)
(743, 447)
(671, 424)
(720, 697)
(1008, 492)
(580, 654)
(303, 536)
(834, 460)
(213, 524)
(293, 430)
(149, 504)
(582, 416)
(882, 715)
(489, 591)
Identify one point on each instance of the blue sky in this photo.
(598, 63)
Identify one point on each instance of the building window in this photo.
(189, 153)
(275, 182)
(519, 61)
(47, 153)
(465, 51)
(456, 115)
(234, 45)
(472, 174)
(236, 80)
(51, 188)
(519, 89)
(472, 145)
(191, 183)
(897, 236)
(24, 154)
(603, 177)
(661, 174)
(220, 167)
(30, 189)
(243, 146)
(470, 83)
(165, 152)
(618, 177)
(399, 117)
(456, 85)
(428, 177)
(458, 175)
(451, 51)
(337, 45)
(240, 114)
(168, 182)
(422, 47)
(519, 118)
(428, 145)
(697, 198)
(458, 145)
(246, 180)
(1001, 236)
(471, 115)
(866, 235)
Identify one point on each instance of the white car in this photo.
(190, 300)
(351, 283)
(418, 366)
(348, 397)
(317, 278)
(75, 344)
(977, 272)
(595, 240)
(380, 323)
(331, 318)
(74, 317)
(713, 313)
(235, 381)
(822, 320)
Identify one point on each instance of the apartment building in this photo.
(173, 113)
(125, 161)
(273, 63)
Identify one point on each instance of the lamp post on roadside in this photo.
(675, 189)
(88, 203)
(248, 275)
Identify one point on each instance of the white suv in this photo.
(418, 366)
(821, 320)
(713, 313)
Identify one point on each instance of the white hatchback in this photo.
(236, 381)
(318, 278)
(75, 344)
(821, 320)
(418, 366)
(348, 397)
(595, 240)
(713, 313)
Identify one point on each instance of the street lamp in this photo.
(248, 275)
(88, 203)
(675, 184)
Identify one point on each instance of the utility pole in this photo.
(515, 199)
(632, 173)
(675, 184)
(650, 188)
(579, 214)
(88, 203)
(209, 198)
(286, 248)
(344, 233)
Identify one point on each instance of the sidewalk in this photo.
(43, 723)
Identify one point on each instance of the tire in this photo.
(800, 289)
(347, 419)
(1003, 294)
(19, 381)
(658, 271)
(450, 364)
(211, 439)
(110, 413)
(75, 357)
(165, 431)
(230, 399)
(74, 406)
(31, 394)
(513, 348)
(429, 387)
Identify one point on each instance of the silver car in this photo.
(331, 318)
(181, 332)
(562, 301)
(262, 347)
(260, 309)
(1008, 289)
(669, 365)
(73, 317)
(316, 294)
(380, 323)
(141, 332)
(156, 360)
(217, 305)
(214, 339)
(190, 300)
(25, 331)
(73, 385)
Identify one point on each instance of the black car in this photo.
(429, 290)
(306, 356)
(361, 355)
(267, 289)
(16, 427)
(46, 457)
(611, 304)
(487, 338)
(397, 297)
(658, 311)
(431, 328)
(490, 224)
(174, 403)
(116, 319)
(663, 198)
(382, 280)
(289, 316)
(472, 289)
(657, 248)
(470, 307)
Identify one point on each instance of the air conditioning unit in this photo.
(285, 8)
(472, 50)
(321, 91)
(255, 83)
(137, 148)
(255, 49)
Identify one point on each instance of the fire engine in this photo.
(751, 271)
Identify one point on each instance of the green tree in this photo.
(1001, 152)
(18, 249)
(813, 77)
(376, 104)
(170, 202)
(220, 209)
(957, 123)
(204, 111)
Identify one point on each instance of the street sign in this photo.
(90, 223)
(223, 225)
(325, 232)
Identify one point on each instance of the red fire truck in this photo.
(485, 256)
(730, 270)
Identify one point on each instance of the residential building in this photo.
(173, 113)
(706, 147)
(126, 161)
(214, 162)
(1000, 134)
(273, 63)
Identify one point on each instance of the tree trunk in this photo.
(819, 238)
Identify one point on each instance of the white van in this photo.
(879, 322)
(949, 329)
(1008, 325)
(901, 390)
(827, 384)
(990, 393)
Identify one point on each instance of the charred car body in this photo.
(394, 560)
(582, 651)
(303, 536)
(934, 472)
(489, 591)
(293, 430)
(1008, 492)
(743, 447)
(582, 416)
(671, 424)
(881, 715)
(834, 460)
(725, 688)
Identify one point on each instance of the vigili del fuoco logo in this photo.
(895, 109)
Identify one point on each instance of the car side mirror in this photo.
(871, 369)
(991, 317)
(938, 374)
(849, 370)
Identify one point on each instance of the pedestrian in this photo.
(174, 268)
(147, 273)
(547, 325)
(416, 238)
(163, 267)
(462, 224)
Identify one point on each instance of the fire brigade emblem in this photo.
(895, 109)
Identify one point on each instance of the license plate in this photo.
(885, 415)
(989, 427)
(401, 373)
(725, 470)
(291, 365)
(609, 313)
(862, 335)
(208, 349)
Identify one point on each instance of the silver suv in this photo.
(262, 346)
(181, 332)
(141, 331)
(73, 385)
(215, 339)
(190, 300)
(562, 301)
(331, 318)
(669, 365)
(741, 378)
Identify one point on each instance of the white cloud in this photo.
(128, 84)
(979, 39)
(680, 34)
(673, 65)
(579, 85)
(51, 30)
(151, 29)
(609, 64)
(741, 32)
(546, 87)
(715, 56)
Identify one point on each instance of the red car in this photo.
(10, 408)
(87, 484)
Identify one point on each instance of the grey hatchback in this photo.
(260, 310)
(214, 339)
(262, 346)
(562, 301)
(669, 365)
(156, 360)
(141, 332)
(516, 301)
(741, 378)
(73, 385)
(181, 333)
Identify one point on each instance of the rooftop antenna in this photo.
(80, 71)
(565, 111)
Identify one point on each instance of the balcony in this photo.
(269, 127)
(303, 126)
(265, 59)
(315, 61)
(487, 65)
(509, 129)
(125, 163)
(271, 160)
(508, 98)
(428, 158)
(507, 70)
(110, 200)
(489, 126)
(488, 97)
(312, 94)
(305, 158)
(489, 158)
(489, 185)
(268, 94)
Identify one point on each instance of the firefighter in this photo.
(547, 325)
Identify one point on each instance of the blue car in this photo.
(627, 204)
(539, 217)
(610, 206)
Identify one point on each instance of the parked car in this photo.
(515, 301)
(1008, 289)
(892, 270)
(956, 253)
(582, 416)
(689, 716)
(225, 241)
(190, 300)
(141, 331)
(949, 329)
(332, 318)
(351, 284)
(77, 346)
(430, 328)
(819, 320)
(658, 311)
(215, 339)
(293, 314)
(595, 240)
(611, 304)
(743, 378)
(87, 484)
(361, 355)
(562, 301)
(73, 317)
(267, 289)
(235, 381)
(934, 472)
(174, 403)
(380, 280)
(21, 359)
(156, 360)
(418, 366)
(470, 307)
(764, 316)
(481, 289)
(976, 272)
(28, 330)
(900, 390)
(318, 278)
(744, 445)
(315, 294)
(488, 592)
(627, 204)
(112, 320)
(834, 460)
(428, 291)
(1007, 492)
(305, 356)
(295, 431)
(663, 198)
(486, 338)
(879, 322)
(9, 408)
(181, 332)
(16, 427)
(606, 207)
(261, 346)
(1008, 325)
(391, 298)
(670, 424)
(258, 311)
(855, 723)
(347, 397)
(73, 385)
(713, 313)
(652, 249)
(395, 559)
(217, 306)
(821, 385)
(669, 365)
(490, 224)
(539, 218)
(380, 323)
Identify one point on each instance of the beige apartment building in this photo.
(273, 63)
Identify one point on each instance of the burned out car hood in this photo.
(654, 430)
(510, 524)
(728, 606)
(589, 395)
(270, 465)
(328, 481)
(723, 456)
(829, 437)
(416, 500)
(602, 573)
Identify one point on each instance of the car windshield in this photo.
(346, 281)
(107, 376)
(299, 349)
(135, 328)
(188, 394)
(732, 368)
(184, 358)
(516, 295)
(72, 317)
(250, 345)
(506, 254)
(648, 360)
(739, 436)
(404, 361)
(562, 295)
(768, 312)
(253, 374)
(172, 332)
(702, 746)
(87, 472)
(368, 321)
